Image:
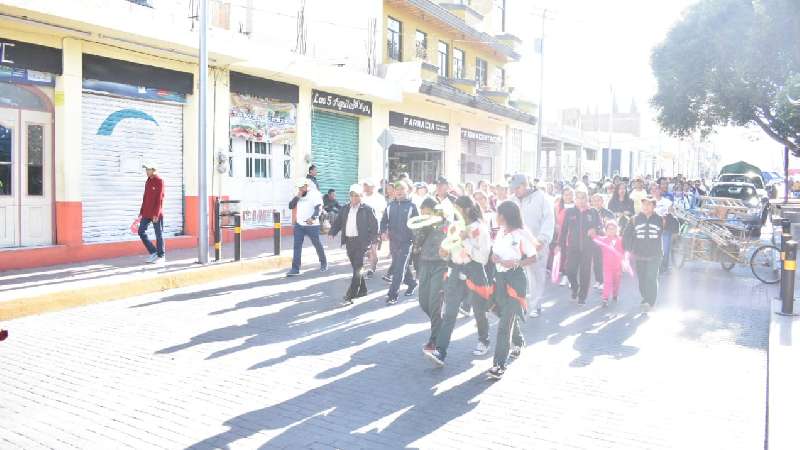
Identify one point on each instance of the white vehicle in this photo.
(753, 179)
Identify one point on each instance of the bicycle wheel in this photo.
(766, 264)
(725, 259)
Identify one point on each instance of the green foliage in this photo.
(731, 62)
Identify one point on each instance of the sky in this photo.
(591, 45)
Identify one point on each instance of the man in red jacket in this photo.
(152, 212)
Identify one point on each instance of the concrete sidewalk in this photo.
(34, 291)
(783, 375)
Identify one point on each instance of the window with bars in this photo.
(444, 56)
(287, 161)
(481, 69)
(458, 63)
(394, 46)
(421, 45)
(257, 160)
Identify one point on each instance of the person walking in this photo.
(377, 202)
(432, 269)
(637, 195)
(394, 228)
(581, 225)
(538, 218)
(643, 239)
(513, 250)
(466, 279)
(307, 204)
(359, 229)
(611, 247)
(605, 214)
(564, 203)
(663, 209)
(152, 212)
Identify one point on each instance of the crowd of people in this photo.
(488, 248)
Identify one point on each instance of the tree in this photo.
(731, 62)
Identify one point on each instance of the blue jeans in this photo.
(159, 228)
(300, 233)
(401, 267)
(666, 247)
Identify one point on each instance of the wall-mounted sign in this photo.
(26, 76)
(127, 90)
(472, 135)
(22, 55)
(401, 120)
(341, 103)
(262, 120)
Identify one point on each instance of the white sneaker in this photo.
(152, 258)
(481, 349)
(598, 286)
(564, 281)
(160, 261)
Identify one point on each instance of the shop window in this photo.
(35, 160)
(481, 72)
(5, 160)
(458, 64)
(444, 55)
(394, 47)
(421, 45)
(257, 162)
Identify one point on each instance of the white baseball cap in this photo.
(300, 182)
(369, 182)
(356, 189)
(150, 165)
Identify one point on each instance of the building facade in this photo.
(89, 90)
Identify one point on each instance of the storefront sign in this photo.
(401, 120)
(127, 90)
(341, 103)
(262, 120)
(472, 135)
(22, 55)
(25, 76)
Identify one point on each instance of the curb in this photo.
(72, 298)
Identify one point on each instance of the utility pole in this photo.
(202, 160)
(541, 95)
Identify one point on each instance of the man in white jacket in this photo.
(307, 204)
(538, 215)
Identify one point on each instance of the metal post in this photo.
(785, 238)
(785, 174)
(276, 231)
(237, 237)
(789, 268)
(217, 231)
(541, 96)
(202, 163)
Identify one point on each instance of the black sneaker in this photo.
(323, 268)
(391, 301)
(497, 372)
(386, 278)
(411, 291)
(347, 301)
(368, 274)
(436, 357)
(293, 273)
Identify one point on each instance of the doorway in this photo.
(26, 139)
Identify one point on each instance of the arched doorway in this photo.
(26, 142)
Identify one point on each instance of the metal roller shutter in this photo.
(118, 136)
(334, 150)
(417, 139)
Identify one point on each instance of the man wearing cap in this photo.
(359, 229)
(308, 205)
(377, 202)
(152, 212)
(444, 199)
(642, 238)
(538, 216)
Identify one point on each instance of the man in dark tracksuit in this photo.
(394, 227)
(432, 270)
(643, 239)
(359, 229)
(581, 225)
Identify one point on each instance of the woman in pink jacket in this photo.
(613, 256)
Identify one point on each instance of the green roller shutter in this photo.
(334, 150)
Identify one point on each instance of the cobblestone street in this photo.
(265, 362)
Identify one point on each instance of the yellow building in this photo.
(456, 118)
